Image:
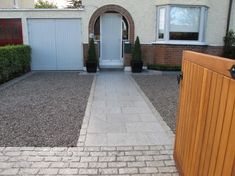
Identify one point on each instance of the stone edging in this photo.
(15, 80)
(86, 119)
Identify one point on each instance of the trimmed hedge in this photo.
(14, 61)
(163, 67)
(229, 45)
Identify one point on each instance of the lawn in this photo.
(45, 109)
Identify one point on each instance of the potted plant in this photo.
(91, 63)
(136, 62)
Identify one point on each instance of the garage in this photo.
(56, 44)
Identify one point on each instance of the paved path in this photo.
(130, 137)
(120, 115)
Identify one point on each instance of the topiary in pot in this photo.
(136, 62)
(91, 63)
(229, 45)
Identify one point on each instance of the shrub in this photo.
(44, 5)
(92, 57)
(136, 52)
(162, 67)
(229, 45)
(14, 61)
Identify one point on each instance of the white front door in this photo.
(111, 41)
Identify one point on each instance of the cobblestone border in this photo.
(123, 160)
(86, 119)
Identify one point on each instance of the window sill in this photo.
(179, 43)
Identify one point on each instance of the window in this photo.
(125, 29)
(10, 32)
(97, 29)
(161, 27)
(181, 23)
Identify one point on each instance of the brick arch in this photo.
(118, 9)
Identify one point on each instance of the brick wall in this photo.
(172, 54)
(165, 54)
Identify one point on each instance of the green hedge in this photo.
(229, 45)
(163, 67)
(14, 61)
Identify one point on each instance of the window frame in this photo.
(166, 39)
(16, 4)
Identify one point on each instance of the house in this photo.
(59, 37)
(23, 4)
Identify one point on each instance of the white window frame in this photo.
(166, 40)
(16, 4)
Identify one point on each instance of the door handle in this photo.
(179, 77)
(232, 71)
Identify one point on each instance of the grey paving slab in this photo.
(121, 116)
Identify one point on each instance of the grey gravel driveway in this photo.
(162, 91)
(45, 109)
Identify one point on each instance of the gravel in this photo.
(162, 91)
(44, 110)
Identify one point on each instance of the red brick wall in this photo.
(165, 54)
(172, 54)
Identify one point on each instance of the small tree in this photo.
(136, 52)
(229, 45)
(44, 5)
(92, 57)
(74, 3)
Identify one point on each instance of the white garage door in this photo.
(56, 44)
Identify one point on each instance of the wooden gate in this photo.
(205, 135)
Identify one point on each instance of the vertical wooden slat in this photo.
(212, 129)
(205, 136)
(191, 89)
(208, 122)
(193, 114)
(186, 113)
(201, 121)
(219, 125)
(178, 142)
(224, 143)
(229, 163)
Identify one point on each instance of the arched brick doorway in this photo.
(113, 8)
(127, 18)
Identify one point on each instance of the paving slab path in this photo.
(122, 134)
(120, 115)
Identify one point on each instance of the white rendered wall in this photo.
(23, 4)
(6, 4)
(143, 13)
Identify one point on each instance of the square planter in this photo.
(136, 66)
(91, 67)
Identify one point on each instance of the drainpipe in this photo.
(229, 15)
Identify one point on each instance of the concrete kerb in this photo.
(15, 80)
(86, 119)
